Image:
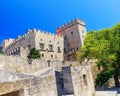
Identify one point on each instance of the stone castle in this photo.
(62, 46)
(56, 73)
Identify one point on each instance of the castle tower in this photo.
(74, 33)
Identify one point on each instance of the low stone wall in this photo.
(78, 81)
(22, 65)
(106, 93)
(42, 83)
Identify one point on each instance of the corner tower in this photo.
(74, 33)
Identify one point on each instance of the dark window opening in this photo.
(42, 55)
(65, 51)
(51, 47)
(58, 49)
(77, 48)
(29, 46)
(51, 56)
(41, 46)
(71, 33)
(82, 31)
(85, 79)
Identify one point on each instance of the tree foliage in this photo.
(1, 52)
(34, 54)
(104, 45)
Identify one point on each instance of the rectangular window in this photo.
(82, 31)
(85, 79)
(51, 56)
(51, 47)
(29, 46)
(42, 55)
(71, 33)
(41, 46)
(59, 49)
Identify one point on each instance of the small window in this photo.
(57, 42)
(29, 46)
(51, 47)
(71, 33)
(85, 79)
(50, 41)
(51, 56)
(42, 55)
(41, 46)
(40, 39)
(58, 49)
(82, 31)
(77, 49)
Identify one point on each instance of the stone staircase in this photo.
(60, 84)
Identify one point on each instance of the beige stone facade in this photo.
(50, 45)
(74, 33)
(62, 46)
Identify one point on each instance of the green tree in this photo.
(104, 46)
(1, 52)
(34, 54)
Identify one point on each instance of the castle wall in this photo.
(25, 41)
(37, 84)
(73, 33)
(79, 79)
(53, 45)
(48, 39)
(22, 65)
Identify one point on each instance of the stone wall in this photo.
(73, 33)
(106, 93)
(78, 81)
(22, 65)
(41, 83)
(33, 39)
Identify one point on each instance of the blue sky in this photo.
(16, 16)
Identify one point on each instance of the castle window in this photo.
(65, 50)
(41, 46)
(77, 48)
(57, 42)
(51, 47)
(82, 31)
(58, 49)
(42, 55)
(40, 39)
(50, 41)
(51, 56)
(71, 33)
(29, 46)
(85, 79)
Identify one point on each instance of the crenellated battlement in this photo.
(71, 23)
(30, 32)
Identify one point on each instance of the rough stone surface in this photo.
(38, 84)
(74, 82)
(106, 93)
(21, 65)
